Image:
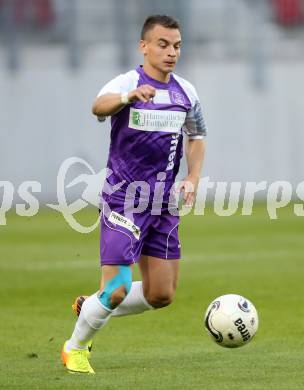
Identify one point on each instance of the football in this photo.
(231, 320)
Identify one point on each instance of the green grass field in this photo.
(44, 265)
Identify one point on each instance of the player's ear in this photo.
(142, 46)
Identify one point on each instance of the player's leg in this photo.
(115, 284)
(159, 266)
(155, 290)
(96, 310)
(159, 272)
(159, 278)
(134, 303)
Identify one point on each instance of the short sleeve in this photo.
(194, 125)
(118, 85)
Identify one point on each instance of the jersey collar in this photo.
(154, 83)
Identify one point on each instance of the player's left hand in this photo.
(188, 187)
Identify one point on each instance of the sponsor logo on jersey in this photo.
(173, 146)
(157, 120)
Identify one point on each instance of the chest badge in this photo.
(177, 97)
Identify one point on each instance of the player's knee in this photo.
(117, 288)
(118, 296)
(158, 300)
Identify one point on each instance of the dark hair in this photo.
(162, 20)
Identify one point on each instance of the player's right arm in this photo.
(110, 103)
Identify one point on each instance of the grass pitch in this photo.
(44, 265)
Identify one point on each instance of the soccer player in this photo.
(150, 108)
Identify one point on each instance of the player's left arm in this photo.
(195, 151)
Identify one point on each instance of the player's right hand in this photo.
(144, 93)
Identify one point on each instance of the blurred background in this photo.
(245, 57)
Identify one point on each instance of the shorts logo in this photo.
(120, 220)
(157, 120)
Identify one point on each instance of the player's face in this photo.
(161, 48)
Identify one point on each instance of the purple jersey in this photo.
(147, 138)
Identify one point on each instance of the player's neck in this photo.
(156, 74)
